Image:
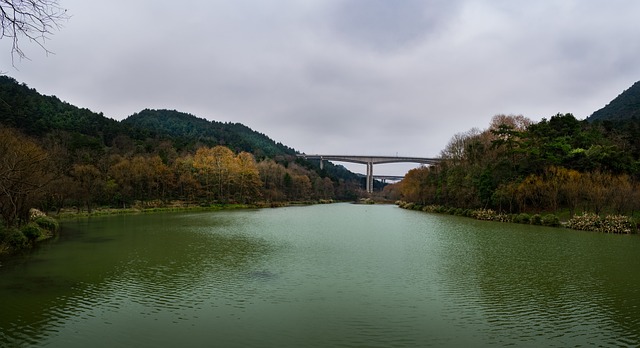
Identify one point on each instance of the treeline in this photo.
(187, 131)
(37, 115)
(54, 155)
(45, 174)
(517, 166)
(624, 106)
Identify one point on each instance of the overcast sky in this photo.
(371, 77)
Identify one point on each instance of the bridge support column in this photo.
(370, 177)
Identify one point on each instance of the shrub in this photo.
(502, 218)
(608, 224)
(522, 218)
(31, 231)
(35, 213)
(536, 219)
(15, 238)
(617, 224)
(430, 208)
(551, 220)
(484, 214)
(585, 222)
(48, 223)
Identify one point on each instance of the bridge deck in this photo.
(372, 159)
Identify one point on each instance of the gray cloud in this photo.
(342, 76)
(388, 25)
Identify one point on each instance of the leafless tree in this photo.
(34, 20)
(25, 172)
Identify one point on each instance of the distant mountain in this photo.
(188, 130)
(37, 115)
(623, 107)
(23, 108)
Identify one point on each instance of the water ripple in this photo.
(414, 282)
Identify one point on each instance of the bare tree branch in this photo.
(31, 19)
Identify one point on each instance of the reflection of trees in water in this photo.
(155, 262)
(530, 284)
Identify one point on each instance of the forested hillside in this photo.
(559, 165)
(587, 172)
(36, 115)
(187, 130)
(84, 160)
(623, 107)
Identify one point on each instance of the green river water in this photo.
(338, 275)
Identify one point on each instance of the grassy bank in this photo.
(176, 206)
(101, 211)
(619, 224)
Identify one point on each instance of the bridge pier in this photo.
(370, 177)
(369, 161)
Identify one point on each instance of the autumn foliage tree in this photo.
(223, 175)
(25, 172)
(248, 178)
(517, 165)
(90, 183)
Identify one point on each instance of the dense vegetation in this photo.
(623, 107)
(54, 155)
(519, 167)
(187, 131)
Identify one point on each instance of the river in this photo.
(338, 275)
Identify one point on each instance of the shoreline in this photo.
(7, 250)
(176, 207)
(590, 222)
(66, 214)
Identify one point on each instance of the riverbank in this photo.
(331, 270)
(43, 226)
(152, 207)
(74, 213)
(619, 224)
(39, 228)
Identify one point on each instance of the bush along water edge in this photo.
(619, 224)
(39, 227)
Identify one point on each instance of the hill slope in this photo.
(37, 115)
(187, 130)
(623, 107)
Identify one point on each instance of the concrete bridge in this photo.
(370, 161)
(388, 177)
